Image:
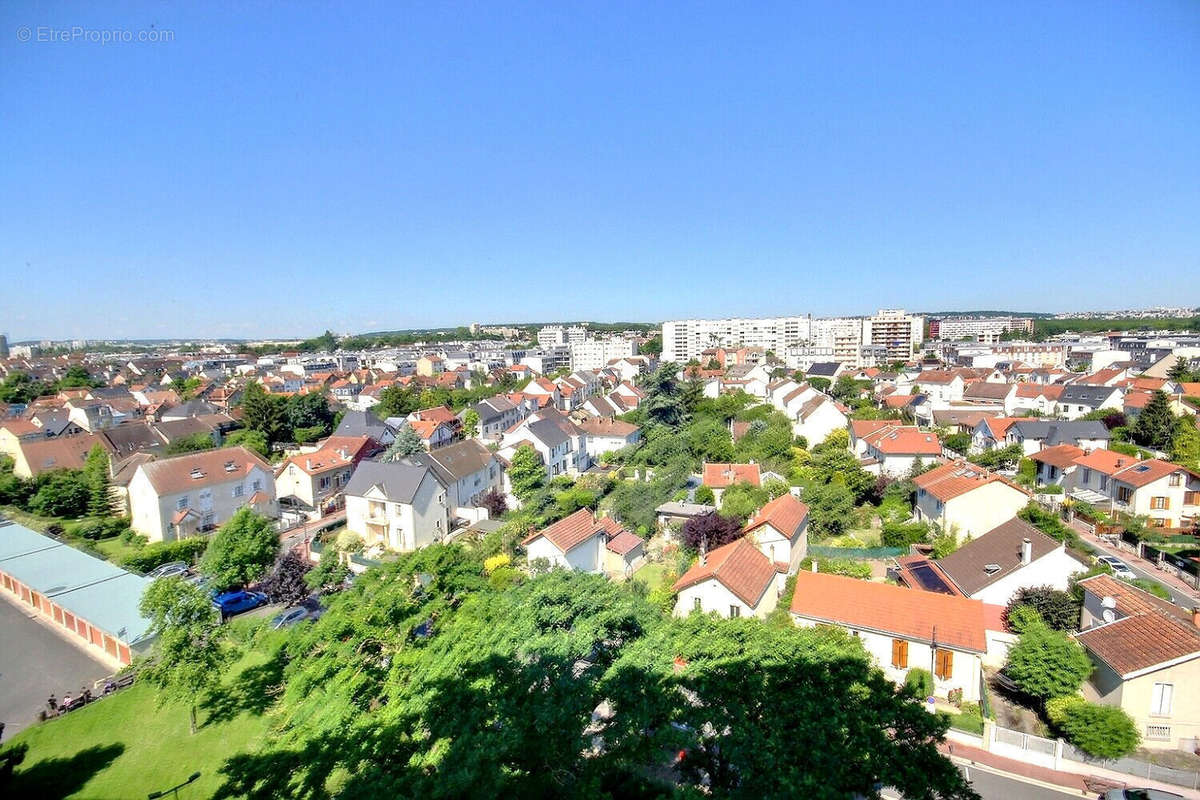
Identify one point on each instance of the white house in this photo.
(734, 580)
(1166, 493)
(896, 448)
(173, 498)
(780, 531)
(607, 435)
(467, 469)
(967, 500)
(396, 505)
(1033, 435)
(817, 418)
(902, 628)
(995, 567)
(576, 542)
(559, 441)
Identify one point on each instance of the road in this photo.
(35, 661)
(993, 785)
(1178, 597)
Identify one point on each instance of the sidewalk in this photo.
(1162, 576)
(975, 755)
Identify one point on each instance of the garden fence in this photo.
(1138, 767)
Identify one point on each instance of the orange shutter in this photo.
(899, 653)
(945, 664)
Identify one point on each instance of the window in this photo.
(943, 664)
(1191, 498)
(1124, 494)
(735, 611)
(1160, 503)
(182, 504)
(257, 485)
(325, 482)
(696, 605)
(1160, 699)
(1087, 476)
(1176, 479)
(1104, 483)
(899, 654)
(239, 490)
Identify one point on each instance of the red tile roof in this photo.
(569, 532)
(719, 476)
(958, 477)
(905, 440)
(785, 514)
(1150, 631)
(956, 622)
(1128, 469)
(738, 566)
(1061, 455)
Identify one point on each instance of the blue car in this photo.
(230, 603)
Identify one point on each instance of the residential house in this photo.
(366, 423)
(1147, 657)
(734, 580)
(496, 415)
(670, 517)
(780, 530)
(607, 435)
(560, 442)
(995, 567)
(1166, 493)
(1078, 399)
(894, 449)
(860, 429)
(468, 470)
(966, 500)
(1002, 396)
(904, 628)
(32, 457)
(990, 433)
(174, 498)
(1035, 397)
(396, 505)
(1033, 435)
(1054, 464)
(315, 480)
(624, 551)
(943, 387)
(576, 542)
(720, 477)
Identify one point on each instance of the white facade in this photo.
(1053, 569)
(213, 503)
(712, 596)
(401, 527)
(686, 339)
(974, 513)
(587, 556)
(596, 353)
(895, 330)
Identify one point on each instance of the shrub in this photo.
(1100, 731)
(1057, 609)
(1045, 663)
(493, 563)
(903, 534)
(704, 496)
(839, 566)
(919, 683)
(159, 553)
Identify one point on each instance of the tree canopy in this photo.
(241, 550)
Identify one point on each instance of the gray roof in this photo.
(363, 423)
(492, 408)
(1053, 432)
(192, 408)
(1000, 547)
(456, 461)
(398, 479)
(823, 369)
(1083, 394)
(678, 509)
(548, 431)
(131, 437)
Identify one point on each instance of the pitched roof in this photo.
(982, 390)
(206, 468)
(738, 566)
(1149, 632)
(951, 621)
(601, 426)
(999, 425)
(1062, 456)
(1060, 431)
(1128, 469)
(968, 566)
(398, 480)
(785, 514)
(457, 461)
(956, 478)
(719, 476)
(904, 440)
(620, 541)
(860, 428)
(326, 459)
(59, 452)
(569, 532)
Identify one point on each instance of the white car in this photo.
(1119, 567)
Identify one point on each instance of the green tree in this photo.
(264, 412)
(241, 550)
(1058, 609)
(470, 422)
(61, 493)
(1100, 731)
(192, 443)
(1045, 663)
(250, 439)
(19, 387)
(95, 469)
(704, 496)
(742, 499)
(309, 411)
(1185, 444)
(190, 650)
(330, 570)
(662, 404)
(1155, 426)
(958, 442)
(1180, 371)
(527, 473)
(76, 377)
(408, 443)
(829, 508)
(397, 401)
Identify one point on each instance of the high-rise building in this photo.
(596, 353)
(686, 339)
(899, 332)
(985, 330)
(3, 346)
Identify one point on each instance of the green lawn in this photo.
(127, 746)
(114, 549)
(652, 574)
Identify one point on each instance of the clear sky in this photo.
(279, 168)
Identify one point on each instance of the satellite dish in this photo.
(1109, 615)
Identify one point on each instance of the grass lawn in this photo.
(34, 522)
(114, 549)
(128, 746)
(652, 574)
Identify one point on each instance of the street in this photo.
(35, 661)
(1178, 596)
(993, 785)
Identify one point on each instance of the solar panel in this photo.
(929, 579)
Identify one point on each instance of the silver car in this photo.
(1119, 567)
(171, 570)
(289, 617)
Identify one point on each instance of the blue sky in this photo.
(280, 168)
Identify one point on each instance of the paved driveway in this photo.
(35, 661)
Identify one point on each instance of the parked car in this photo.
(1139, 794)
(1119, 567)
(236, 602)
(171, 570)
(289, 617)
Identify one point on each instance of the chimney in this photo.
(1196, 616)
(814, 565)
(703, 551)
(1026, 551)
(308, 463)
(1120, 462)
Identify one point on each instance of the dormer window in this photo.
(991, 569)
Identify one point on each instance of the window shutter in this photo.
(945, 664)
(899, 653)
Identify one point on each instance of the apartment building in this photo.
(985, 330)
(596, 353)
(901, 333)
(686, 339)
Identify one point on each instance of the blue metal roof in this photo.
(101, 593)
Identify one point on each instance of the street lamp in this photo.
(174, 790)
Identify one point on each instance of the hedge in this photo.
(1100, 731)
(159, 553)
